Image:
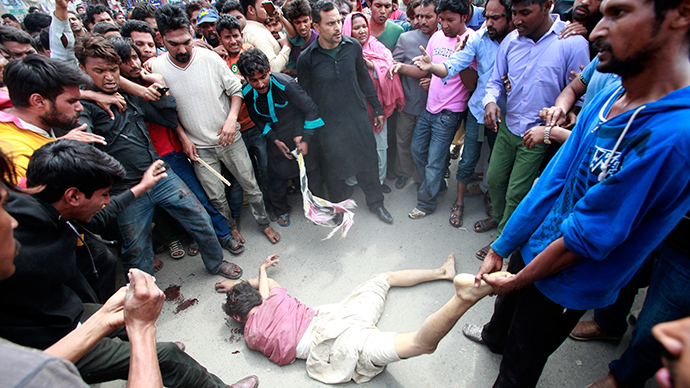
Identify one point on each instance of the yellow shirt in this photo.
(19, 144)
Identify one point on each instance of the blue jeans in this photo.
(430, 152)
(472, 148)
(175, 197)
(180, 164)
(668, 299)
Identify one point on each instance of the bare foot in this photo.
(224, 286)
(465, 289)
(236, 234)
(448, 267)
(272, 235)
(157, 264)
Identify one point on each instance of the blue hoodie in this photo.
(613, 224)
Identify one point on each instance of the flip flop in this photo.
(229, 270)
(453, 216)
(284, 219)
(193, 249)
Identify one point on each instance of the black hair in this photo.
(219, 5)
(340, 4)
(232, 5)
(461, 7)
(246, 4)
(62, 164)
(426, 3)
(95, 46)
(103, 28)
(13, 34)
(528, 2)
(93, 10)
(142, 11)
(33, 9)
(252, 60)
(9, 16)
(242, 298)
(318, 7)
(138, 26)
(507, 4)
(124, 48)
(663, 6)
(296, 9)
(35, 22)
(195, 5)
(170, 18)
(43, 39)
(38, 74)
(227, 22)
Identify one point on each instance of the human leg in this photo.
(135, 227)
(382, 151)
(668, 298)
(109, 360)
(277, 191)
(443, 129)
(256, 147)
(421, 136)
(437, 325)
(369, 182)
(184, 169)
(176, 198)
(236, 159)
(213, 187)
(522, 176)
(404, 165)
(466, 165)
(500, 167)
(412, 277)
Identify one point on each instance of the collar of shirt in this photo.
(556, 27)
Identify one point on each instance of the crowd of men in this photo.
(175, 116)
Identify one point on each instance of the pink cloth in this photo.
(5, 99)
(277, 325)
(452, 96)
(390, 92)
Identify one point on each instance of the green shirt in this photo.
(389, 36)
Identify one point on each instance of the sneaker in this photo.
(232, 245)
(416, 214)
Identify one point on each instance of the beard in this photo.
(183, 58)
(213, 39)
(625, 67)
(581, 18)
(55, 119)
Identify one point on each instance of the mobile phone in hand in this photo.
(269, 7)
(163, 90)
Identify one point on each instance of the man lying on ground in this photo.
(340, 341)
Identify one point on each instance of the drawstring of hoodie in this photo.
(97, 238)
(602, 119)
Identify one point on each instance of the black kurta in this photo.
(341, 88)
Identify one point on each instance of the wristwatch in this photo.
(547, 132)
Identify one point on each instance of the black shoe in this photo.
(401, 182)
(383, 214)
(447, 173)
(385, 188)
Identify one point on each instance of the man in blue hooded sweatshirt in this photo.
(615, 189)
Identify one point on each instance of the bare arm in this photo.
(555, 258)
(142, 306)
(75, 344)
(264, 288)
(565, 101)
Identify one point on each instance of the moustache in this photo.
(600, 45)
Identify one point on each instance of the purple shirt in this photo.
(538, 72)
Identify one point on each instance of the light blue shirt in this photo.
(596, 81)
(538, 72)
(478, 46)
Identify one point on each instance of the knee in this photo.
(169, 354)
